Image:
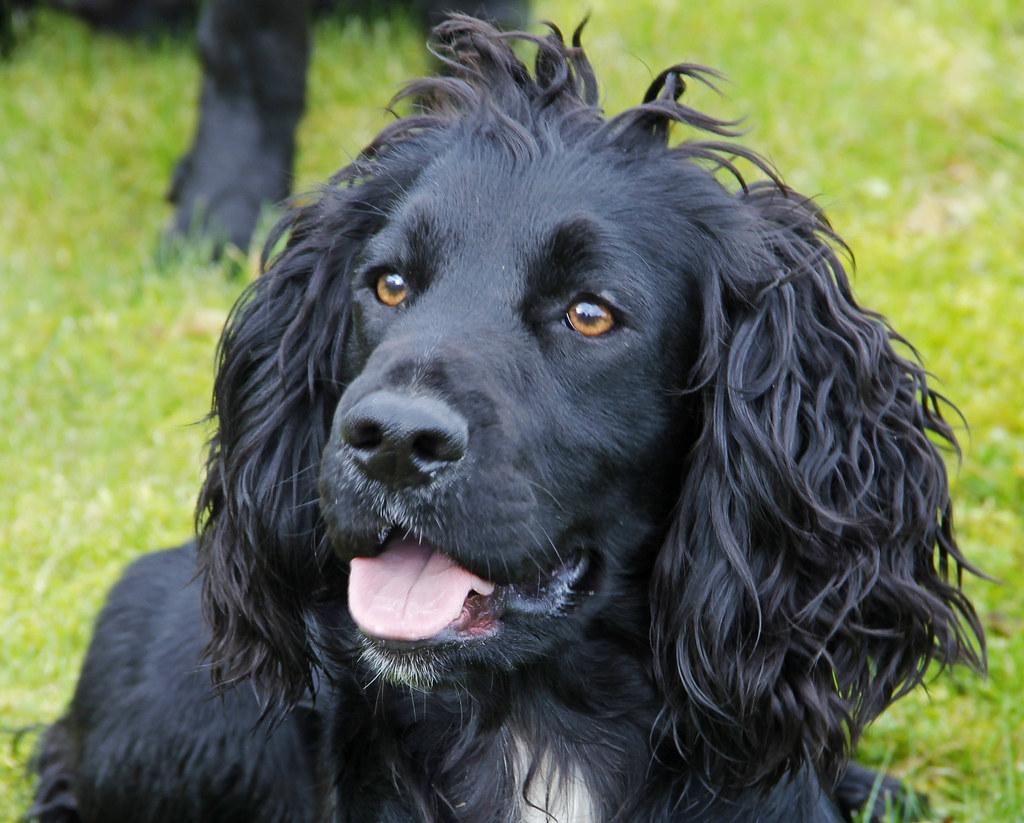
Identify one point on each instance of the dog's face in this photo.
(527, 381)
(505, 449)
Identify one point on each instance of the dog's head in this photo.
(521, 369)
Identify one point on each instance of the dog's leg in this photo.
(146, 739)
(53, 762)
(254, 55)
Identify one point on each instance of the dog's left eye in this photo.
(392, 289)
(590, 317)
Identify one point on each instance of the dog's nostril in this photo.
(438, 447)
(363, 434)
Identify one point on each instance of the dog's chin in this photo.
(424, 668)
(500, 629)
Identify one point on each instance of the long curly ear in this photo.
(263, 554)
(806, 579)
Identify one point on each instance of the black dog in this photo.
(557, 474)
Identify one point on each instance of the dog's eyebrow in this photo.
(421, 238)
(410, 244)
(570, 249)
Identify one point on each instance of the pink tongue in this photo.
(410, 591)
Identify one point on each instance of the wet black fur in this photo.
(750, 460)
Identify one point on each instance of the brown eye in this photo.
(392, 289)
(589, 318)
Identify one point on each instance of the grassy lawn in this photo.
(906, 118)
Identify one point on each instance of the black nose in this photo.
(404, 440)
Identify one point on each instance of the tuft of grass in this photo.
(904, 119)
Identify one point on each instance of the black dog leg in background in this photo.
(254, 55)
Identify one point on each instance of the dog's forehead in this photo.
(503, 203)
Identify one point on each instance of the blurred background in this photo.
(904, 119)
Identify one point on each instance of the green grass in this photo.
(904, 118)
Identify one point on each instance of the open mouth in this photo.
(412, 595)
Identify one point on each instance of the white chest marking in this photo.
(564, 797)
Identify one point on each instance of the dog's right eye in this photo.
(392, 290)
(590, 317)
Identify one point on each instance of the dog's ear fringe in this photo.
(261, 545)
(811, 575)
